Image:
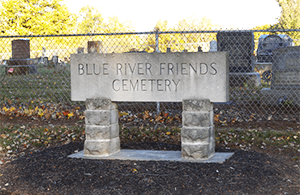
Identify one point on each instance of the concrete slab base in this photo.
(238, 79)
(153, 155)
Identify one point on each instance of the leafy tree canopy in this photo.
(23, 17)
(290, 14)
(90, 20)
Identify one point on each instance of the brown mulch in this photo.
(50, 171)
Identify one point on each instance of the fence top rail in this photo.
(149, 32)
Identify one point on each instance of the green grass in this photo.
(49, 85)
(16, 139)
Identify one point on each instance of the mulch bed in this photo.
(50, 171)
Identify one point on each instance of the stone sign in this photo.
(195, 79)
(240, 46)
(150, 77)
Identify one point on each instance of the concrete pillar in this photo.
(101, 128)
(197, 133)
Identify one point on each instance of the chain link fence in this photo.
(264, 69)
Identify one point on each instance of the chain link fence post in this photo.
(157, 51)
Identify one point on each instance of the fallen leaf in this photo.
(65, 113)
(47, 116)
(158, 118)
(146, 115)
(70, 115)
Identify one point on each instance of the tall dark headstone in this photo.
(20, 49)
(20, 56)
(240, 46)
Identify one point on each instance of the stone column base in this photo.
(101, 128)
(101, 147)
(197, 133)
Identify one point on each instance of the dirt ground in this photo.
(50, 171)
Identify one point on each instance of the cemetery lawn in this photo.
(33, 160)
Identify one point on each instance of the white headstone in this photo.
(44, 52)
(213, 46)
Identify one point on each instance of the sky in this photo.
(143, 15)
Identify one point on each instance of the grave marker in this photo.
(240, 46)
(285, 83)
(20, 56)
(286, 68)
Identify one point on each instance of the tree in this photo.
(290, 17)
(115, 26)
(192, 41)
(90, 20)
(178, 42)
(24, 17)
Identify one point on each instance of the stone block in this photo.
(101, 147)
(114, 116)
(195, 134)
(195, 151)
(212, 132)
(211, 147)
(197, 105)
(200, 119)
(94, 132)
(97, 117)
(211, 117)
(98, 104)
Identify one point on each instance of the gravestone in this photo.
(213, 46)
(195, 79)
(286, 67)
(240, 46)
(44, 52)
(285, 83)
(80, 50)
(20, 56)
(54, 60)
(267, 43)
(94, 46)
(45, 61)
